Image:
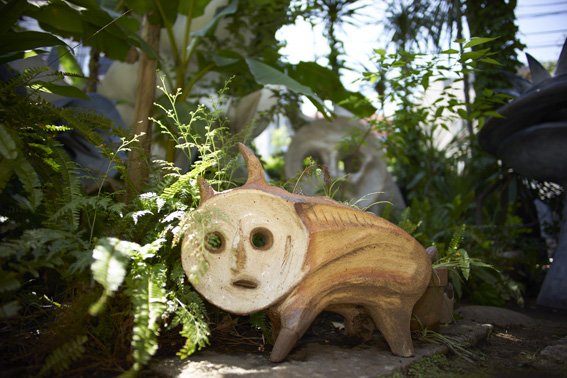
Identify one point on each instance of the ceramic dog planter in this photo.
(297, 256)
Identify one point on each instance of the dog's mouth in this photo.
(245, 284)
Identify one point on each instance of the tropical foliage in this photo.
(90, 277)
(452, 183)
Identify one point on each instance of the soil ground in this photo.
(535, 349)
(516, 351)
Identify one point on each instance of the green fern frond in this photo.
(71, 74)
(71, 209)
(458, 259)
(177, 275)
(457, 238)
(30, 181)
(23, 79)
(70, 191)
(111, 257)
(183, 183)
(407, 224)
(259, 320)
(57, 128)
(6, 171)
(195, 328)
(186, 295)
(9, 248)
(146, 288)
(8, 147)
(101, 203)
(60, 359)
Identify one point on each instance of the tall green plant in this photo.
(452, 184)
(144, 264)
(52, 231)
(40, 188)
(495, 18)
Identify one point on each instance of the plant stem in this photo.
(189, 86)
(181, 64)
(93, 71)
(138, 159)
(466, 76)
(185, 56)
(169, 30)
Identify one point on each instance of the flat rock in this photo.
(556, 352)
(317, 360)
(497, 316)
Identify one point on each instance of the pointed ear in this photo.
(561, 67)
(255, 170)
(539, 73)
(205, 190)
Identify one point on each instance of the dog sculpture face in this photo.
(297, 256)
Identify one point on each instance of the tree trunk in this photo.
(138, 159)
(94, 66)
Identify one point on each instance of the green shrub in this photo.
(455, 184)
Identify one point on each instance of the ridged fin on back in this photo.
(327, 217)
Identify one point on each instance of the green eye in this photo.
(214, 242)
(261, 238)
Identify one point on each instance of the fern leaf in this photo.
(6, 171)
(60, 359)
(111, 257)
(149, 250)
(186, 295)
(138, 214)
(146, 286)
(70, 193)
(8, 147)
(194, 328)
(57, 128)
(182, 183)
(30, 181)
(24, 78)
(10, 248)
(190, 313)
(259, 320)
(457, 238)
(178, 276)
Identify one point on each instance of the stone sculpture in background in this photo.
(346, 148)
(531, 138)
(296, 256)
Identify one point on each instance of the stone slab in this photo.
(498, 316)
(317, 360)
(556, 352)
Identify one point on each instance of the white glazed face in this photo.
(256, 248)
